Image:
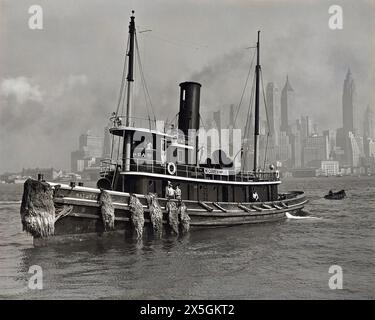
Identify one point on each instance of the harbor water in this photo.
(285, 260)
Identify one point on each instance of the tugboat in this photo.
(157, 183)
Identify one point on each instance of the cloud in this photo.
(22, 89)
(77, 80)
(70, 83)
(71, 71)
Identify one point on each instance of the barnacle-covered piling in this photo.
(172, 216)
(107, 210)
(37, 209)
(156, 214)
(137, 215)
(184, 218)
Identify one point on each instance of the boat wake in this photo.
(290, 216)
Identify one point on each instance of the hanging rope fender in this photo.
(107, 210)
(156, 214)
(172, 216)
(137, 215)
(184, 218)
(37, 209)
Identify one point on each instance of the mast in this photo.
(256, 127)
(129, 93)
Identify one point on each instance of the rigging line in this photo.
(202, 121)
(268, 123)
(250, 110)
(141, 73)
(121, 96)
(264, 99)
(123, 78)
(143, 76)
(177, 44)
(265, 153)
(124, 95)
(249, 117)
(244, 89)
(146, 102)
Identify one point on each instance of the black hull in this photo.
(84, 218)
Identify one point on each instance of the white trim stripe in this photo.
(157, 175)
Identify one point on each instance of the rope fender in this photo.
(107, 210)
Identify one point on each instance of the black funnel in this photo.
(189, 106)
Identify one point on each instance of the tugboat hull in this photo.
(78, 212)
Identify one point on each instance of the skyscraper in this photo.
(369, 123)
(349, 114)
(349, 111)
(316, 149)
(305, 126)
(273, 110)
(107, 144)
(287, 97)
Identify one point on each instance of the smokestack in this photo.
(189, 106)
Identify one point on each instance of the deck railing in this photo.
(190, 171)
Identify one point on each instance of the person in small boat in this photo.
(169, 191)
(330, 193)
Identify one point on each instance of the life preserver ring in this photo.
(171, 168)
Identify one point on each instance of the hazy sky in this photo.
(58, 82)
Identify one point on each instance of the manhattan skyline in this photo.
(67, 79)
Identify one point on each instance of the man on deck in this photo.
(169, 191)
(177, 192)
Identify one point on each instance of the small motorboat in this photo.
(335, 195)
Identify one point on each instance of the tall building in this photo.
(315, 150)
(107, 144)
(284, 150)
(369, 147)
(89, 151)
(349, 114)
(296, 149)
(331, 134)
(273, 109)
(330, 168)
(356, 150)
(91, 145)
(306, 126)
(369, 123)
(286, 101)
(349, 110)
